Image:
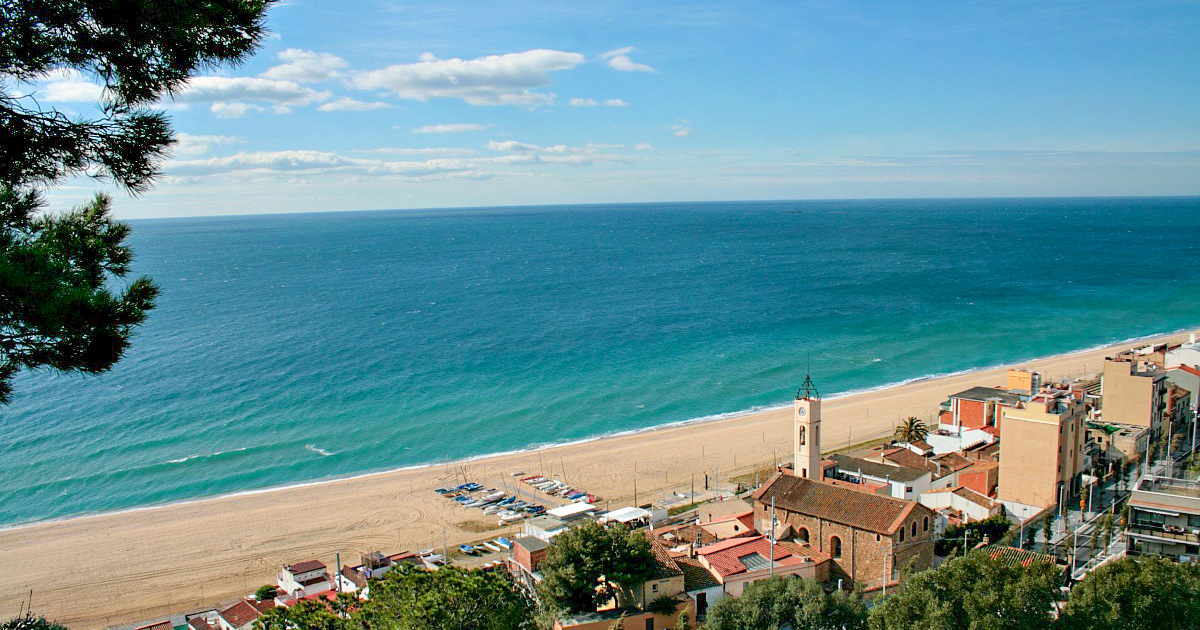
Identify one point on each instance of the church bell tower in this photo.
(807, 419)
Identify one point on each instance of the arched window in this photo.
(800, 436)
(925, 527)
(902, 534)
(802, 534)
(835, 546)
(914, 528)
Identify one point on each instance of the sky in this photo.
(372, 104)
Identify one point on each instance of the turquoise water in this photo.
(301, 347)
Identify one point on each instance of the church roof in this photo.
(872, 512)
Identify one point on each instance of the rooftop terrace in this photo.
(1167, 485)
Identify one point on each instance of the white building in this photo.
(304, 578)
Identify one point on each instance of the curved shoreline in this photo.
(154, 561)
(535, 448)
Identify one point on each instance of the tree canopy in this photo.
(912, 429)
(972, 593)
(591, 564)
(788, 602)
(1136, 593)
(449, 598)
(60, 306)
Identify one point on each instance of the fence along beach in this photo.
(109, 569)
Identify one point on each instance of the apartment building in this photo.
(1042, 449)
(1164, 518)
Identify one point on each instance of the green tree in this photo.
(1136, 593)
(447, 599)
(305, 615)
(265, 592)
(592, 564)
(1047, 529)
(788, 602)
(972, 593)
(911, 429)
(61, 306)
(992, 529)
(28, 622)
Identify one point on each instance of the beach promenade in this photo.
(113, 569)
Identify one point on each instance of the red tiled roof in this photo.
(871, 512)
(199, 623)
(724, 558)
(1022, 557)
(1189, 369)
(239, 614)
(695, 575)
(990, 430)
(974, 497)
(859, 487)
(306, 566)
(729, 517)
(666, 565)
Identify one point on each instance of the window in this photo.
(925, 527)
(914, 528)
(654, 588)
(1193, 520)
(835, 547)
(1148, 518)
(901, 534)
(650, 624)
(803, 534)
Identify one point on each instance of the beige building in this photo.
(1134, 392)
(1042, 449)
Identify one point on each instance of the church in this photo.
(870, 537)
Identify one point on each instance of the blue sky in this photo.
(369, 104)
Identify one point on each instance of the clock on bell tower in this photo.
(807, 430)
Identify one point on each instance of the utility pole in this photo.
(772, 559)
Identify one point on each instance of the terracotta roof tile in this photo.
(726, 557)
(306, 566)
(665, 564)
(1018, 557)
(871, 512)
(239, 614)
(695, 576)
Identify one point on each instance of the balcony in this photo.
(1164, 533)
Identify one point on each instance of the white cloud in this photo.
(449, 151)
(450, 128)
(347, 104)
(591, 102)
(682, 130)
(306, 66)
(233, 110)
(69, 86)
(228, 94)
(493, 80)
(189, 144)
(513, 146)
(619, 60)
(643, 146)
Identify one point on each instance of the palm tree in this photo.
(912, 430)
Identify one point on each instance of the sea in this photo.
(287, 349)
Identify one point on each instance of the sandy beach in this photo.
(112, 569)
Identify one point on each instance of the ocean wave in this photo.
(319, 451)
